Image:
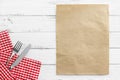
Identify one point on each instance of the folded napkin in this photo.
(28, 69)
(5, 73)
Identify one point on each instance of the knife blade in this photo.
(21, 56)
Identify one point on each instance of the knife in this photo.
(21, 56)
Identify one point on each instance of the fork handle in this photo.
(13, 53)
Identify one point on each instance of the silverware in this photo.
(21, 56)
(16, 49)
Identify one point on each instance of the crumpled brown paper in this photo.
(82, 39)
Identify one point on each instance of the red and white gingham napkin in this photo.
(5, 73)
(28, 69)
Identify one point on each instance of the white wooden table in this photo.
(33, 21)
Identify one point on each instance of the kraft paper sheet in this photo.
(82, 39)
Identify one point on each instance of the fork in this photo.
(16, 49)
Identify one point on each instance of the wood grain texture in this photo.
(115, 40)
(26, 7)
(17, 24)
(28, 24)
(38, 40)
(48, 72)
(48, 7)
(48, 56)
(48, 39)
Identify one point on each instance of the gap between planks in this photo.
(18, 15)
(55, 64)
(55, 48)
(55, 31)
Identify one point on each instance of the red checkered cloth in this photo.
(5, 73)
(28, 69)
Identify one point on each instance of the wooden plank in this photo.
(48, 40)
(114, 39)
(48, 56)
(114, 23)
(114, 56)
(29, 24)
(25, 7)
(37, 40)
(49, 72)
(47, 7)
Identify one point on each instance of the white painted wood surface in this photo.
(48, 72)
(47, 7)
(33, 21)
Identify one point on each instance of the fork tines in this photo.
(17, 46)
